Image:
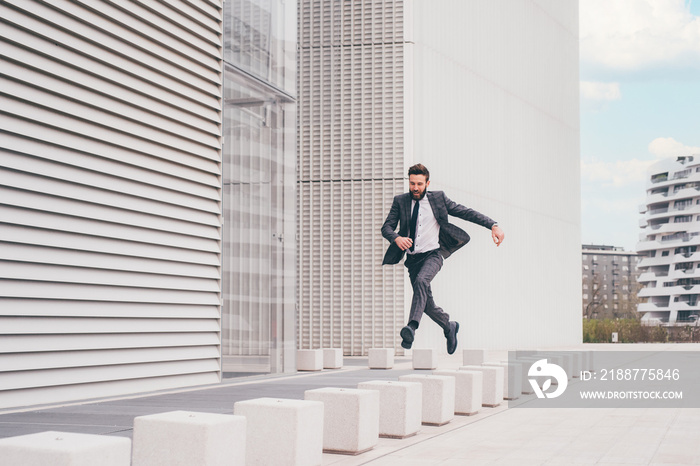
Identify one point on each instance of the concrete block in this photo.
(438, 397)
(576, 363)
(512, 379)
(527, 364)
(282, 432)
(473, 357)
(562, 360)
(425, 358)
(350, 420)
(567, 363)
(583, 361)
(492, 394)
(525, 389)
(400, 407)
(519, 354)
(588, 362)
(332, 358)
(468, 390)
(183, 438)
(381, 358)
(65, 449)
(557, 359)
(310, 360)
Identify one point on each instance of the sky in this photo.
(640, 103)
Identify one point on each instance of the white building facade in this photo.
(669, 242)
(147, 195)
(485, 94)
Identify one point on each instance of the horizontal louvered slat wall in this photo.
(351, 164)
(110, 188)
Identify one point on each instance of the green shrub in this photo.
(629, 331)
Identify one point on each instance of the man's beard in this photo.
(421, 195)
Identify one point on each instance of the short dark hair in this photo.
(419, 169)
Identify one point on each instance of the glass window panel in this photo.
(259, 159)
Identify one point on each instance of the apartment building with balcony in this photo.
(609, 281)
(669, 242)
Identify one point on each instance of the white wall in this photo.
(496, 119)
(110, 162)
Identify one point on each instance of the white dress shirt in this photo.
(427, 228)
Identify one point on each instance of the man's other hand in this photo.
(497, 235)
(403, 243)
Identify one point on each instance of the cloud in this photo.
(628, 172)
(600, 91)
(619, 173)
(669, 147)
(636, 34)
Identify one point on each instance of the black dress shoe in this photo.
(407, 333)
(451, 336)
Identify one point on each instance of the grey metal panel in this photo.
(156, 230)
(101, 276)
(114, 28)
(24, 48)
(90, 105)
(113, 195)
(54, 290)
(193, 29)
(64, 141)
(87, 375)
(32, 254)
(32, 232)
(80, 325)
(45, 343)
(91, 123)
(110, 189)
(59, 393)
(94, 358)
(105, 175)
(60, 38)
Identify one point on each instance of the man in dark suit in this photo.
(427, 237)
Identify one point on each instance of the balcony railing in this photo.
(658, 211)
(681, 236)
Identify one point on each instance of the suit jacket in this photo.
(451, 236)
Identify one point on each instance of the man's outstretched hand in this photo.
(497, 235)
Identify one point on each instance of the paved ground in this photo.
(494, 436)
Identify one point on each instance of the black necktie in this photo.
(412, 226)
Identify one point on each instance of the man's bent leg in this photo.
(436, 313)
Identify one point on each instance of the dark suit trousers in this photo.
(422, 268)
